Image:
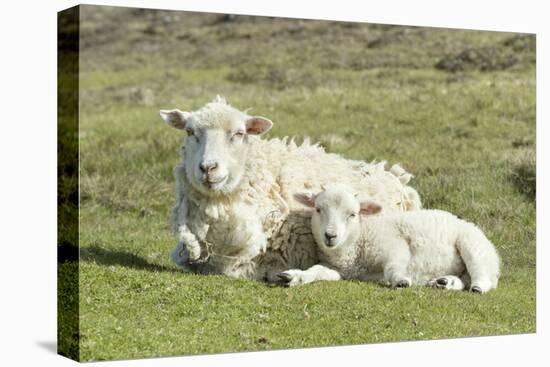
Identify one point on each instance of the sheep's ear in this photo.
(369, 208)
(306, 198)
(258, 125)
(175, 118)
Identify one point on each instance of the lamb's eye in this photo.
(318, 210)
(352, 215)
(189, 132)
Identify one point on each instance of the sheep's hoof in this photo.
(403, 283)
(291, 277)
(476, 289)
(442, 281)
(284, 279)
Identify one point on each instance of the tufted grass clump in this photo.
(524, 172)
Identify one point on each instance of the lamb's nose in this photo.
(329, 236)
(207, 167)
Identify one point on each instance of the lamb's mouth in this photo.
(330, 244)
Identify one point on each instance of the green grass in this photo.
(366, 91)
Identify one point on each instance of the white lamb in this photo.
(234, 211)
(424, 247)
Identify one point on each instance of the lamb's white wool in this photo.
(426, 247)
(235, 213)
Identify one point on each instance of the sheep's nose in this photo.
(207, 167)
(329, 236)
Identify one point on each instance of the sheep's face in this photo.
(216, 146)
(335, 222)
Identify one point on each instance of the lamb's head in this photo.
(335, 221)
(217, 144)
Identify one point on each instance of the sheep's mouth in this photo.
(214, 184)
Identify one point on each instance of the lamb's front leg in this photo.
(316, 273)
(397, 260)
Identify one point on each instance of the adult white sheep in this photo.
(234, 211)
(423, 247)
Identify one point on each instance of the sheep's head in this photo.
(335, 221)
(216, 146)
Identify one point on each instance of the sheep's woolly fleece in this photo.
(261, 211)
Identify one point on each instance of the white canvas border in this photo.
(28, 201)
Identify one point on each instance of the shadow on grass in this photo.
(107, 257)
(525, 185)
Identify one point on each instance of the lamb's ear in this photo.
(369, 208)
(257, 125)
(175, 118)
(306, 198)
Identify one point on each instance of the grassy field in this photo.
(455, 107)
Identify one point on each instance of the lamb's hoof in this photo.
(450, 282)
(403, 283)
(442, 281)
(476, 289)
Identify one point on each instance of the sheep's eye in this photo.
(352, 215)
(318, 210)
(191, 135)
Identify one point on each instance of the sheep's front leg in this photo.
(190, 242)
(316, 273)
(180, 255)
(187, 250)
